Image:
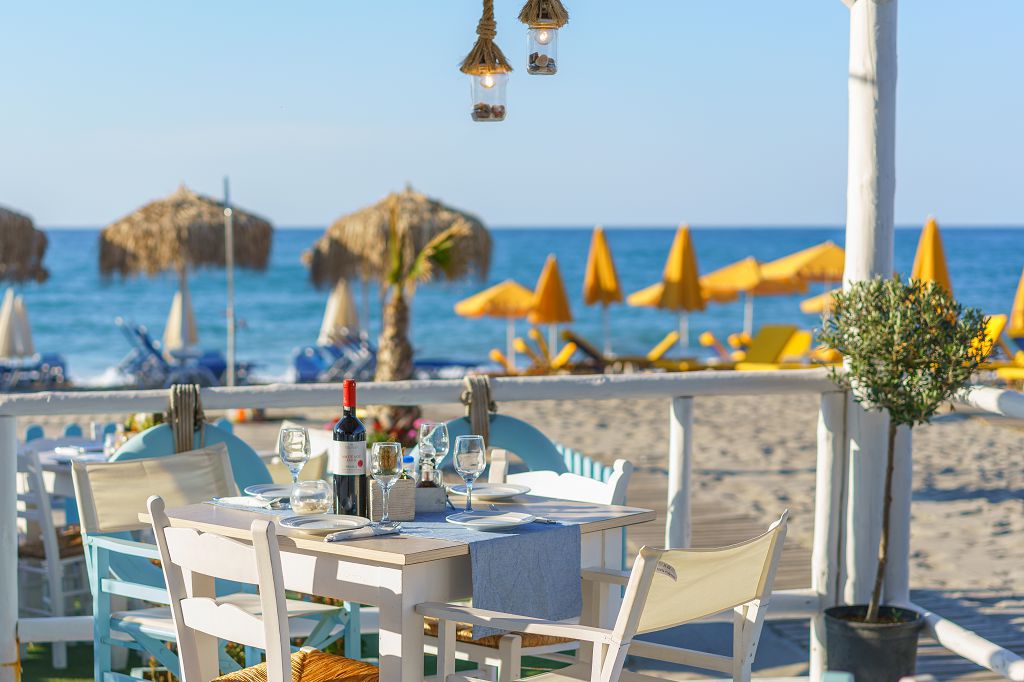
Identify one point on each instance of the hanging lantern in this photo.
(488, 71)
(544, 18)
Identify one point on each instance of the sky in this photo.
(713, 112)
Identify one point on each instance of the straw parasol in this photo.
(930, 259)
(746, 277)
(1016, 328)
(820, 263)
(679, 289)
(22, 248)
(601, 281)
(339, 313)
(550, 304)
(508, 300)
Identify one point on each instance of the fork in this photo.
(537, 519)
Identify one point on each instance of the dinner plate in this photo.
(491, 491)
(324, 524)
(490, 520)
(270, 491)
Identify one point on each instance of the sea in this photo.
(279, 310)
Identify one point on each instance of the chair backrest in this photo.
(570, 486)
(670, 587)
(111, 495)
(564, 356)
(658, 352)
(33, 504)
(34, 432)
(200, 619)
(509, 433)
(798, 346)
(72, 430)
(994, 326)
(583, 345)
(769, 342)
(158, 441)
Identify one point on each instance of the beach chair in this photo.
(111, 495)
(765, 350)
(51, 560)
(997, 351)
(654, 357)
(666, 588)
(34, 432)
(261, 622)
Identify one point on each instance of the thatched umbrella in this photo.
(399, 242)
(22, 248)
(182, 232)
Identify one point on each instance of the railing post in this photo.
(828, 518)
(680, 454)
(8, 549)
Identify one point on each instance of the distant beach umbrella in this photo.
(601, 281)
(746, 277)
(340, 313)
(816, 305)
(1016, 328)
(930, 259)
(23, 327)
(508, 300)
(679, 289)
(820, 263)
(550, 303)
(180, 332)
(22, 248)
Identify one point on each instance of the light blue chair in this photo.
(72, 430)
(34, 432)
(535, 449)
(224, 424)
(108, 428)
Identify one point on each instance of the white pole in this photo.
(680, 455)
(8, 550)
(607, 331)
(229, 264)
(748, 313)
(510, 346)
(684, 331)
(870, 196)
(552, 340)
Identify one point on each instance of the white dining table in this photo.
(396, 573)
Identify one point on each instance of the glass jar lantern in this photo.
(542, 48)
(488, 92)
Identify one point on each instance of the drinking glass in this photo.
(433, 442)
(386, 467)
(293, 448)
(470, 462)
(312, 497)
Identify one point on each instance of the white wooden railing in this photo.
(836, 537)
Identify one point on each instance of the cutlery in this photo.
(537, 519)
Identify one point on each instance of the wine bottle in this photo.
(347, 459)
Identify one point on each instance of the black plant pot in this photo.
(873, 652)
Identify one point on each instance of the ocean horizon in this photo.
(279, 311)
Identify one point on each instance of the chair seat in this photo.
(464, 633)
(157, 621)
(310, 665)
(580, 672)
(69, 544)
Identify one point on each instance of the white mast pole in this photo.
(229, 263)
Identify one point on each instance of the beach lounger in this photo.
(655, 358)
(765, 350)
(998, 351)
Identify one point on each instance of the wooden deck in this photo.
(996, 616)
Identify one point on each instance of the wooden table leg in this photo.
(401, 628)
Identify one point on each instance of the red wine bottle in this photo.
(347, 459)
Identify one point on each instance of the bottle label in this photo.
(347, 458)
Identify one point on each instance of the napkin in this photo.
(360, 533)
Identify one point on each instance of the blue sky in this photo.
(715, 112)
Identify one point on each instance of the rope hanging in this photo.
(479, 406)
(185, 416)
(485, 57)
(544, 13)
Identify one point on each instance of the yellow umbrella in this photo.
(930, 259)
(679, 288)
(600, 281)
(821, 263)
(550, 304)
(1016, 328)
(508, 300)
(819, 304)
(746, 277)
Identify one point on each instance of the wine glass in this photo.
(470, 462)
(386, 467)
(293, 448)
(433, 442)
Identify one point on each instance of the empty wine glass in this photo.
(470, 462)
(433, 442)
(293, 448)
(386, 467)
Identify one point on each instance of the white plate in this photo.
(491, 491)
(270, 491)
(323, 524)
(240, 502)
(490, 520)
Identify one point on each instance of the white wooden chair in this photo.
(500, 655)
(666, 588)
(191, 562)
(42, 555)
(111, 496)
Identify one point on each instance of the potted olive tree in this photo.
(907, 349)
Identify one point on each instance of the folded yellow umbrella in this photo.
(679, 289)
(930, 259)
(508, 299)
(816, 305)
(601, 281)
(821, 263)
(746, 277)
(1016, 328)
(550, 304)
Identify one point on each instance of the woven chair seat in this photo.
(309, 665)
(69, 542)
(464, 633)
